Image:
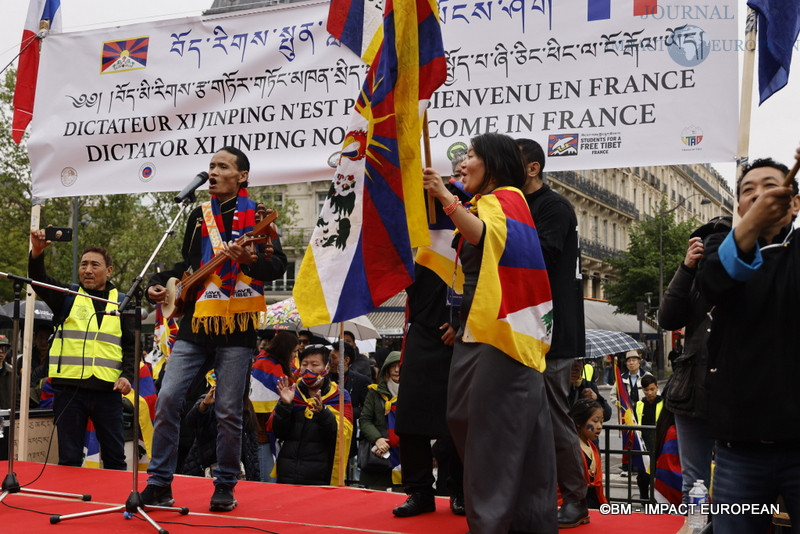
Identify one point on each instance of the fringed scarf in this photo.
(228, 299)
(390, 411)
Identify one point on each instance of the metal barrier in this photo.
(606, 451)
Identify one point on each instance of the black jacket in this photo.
(422, 400)
(753, 346)
(309, 445)
(575, 394)
(684, 306)
(356, 384)
(203, 452)
(263, 269)
(557, 227)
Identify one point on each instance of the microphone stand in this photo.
(134, 504)
(10, 482)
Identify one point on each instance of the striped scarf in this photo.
(228, 299)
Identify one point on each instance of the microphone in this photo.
(188, 191)
(117, 313)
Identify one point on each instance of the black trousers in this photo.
(416, 457)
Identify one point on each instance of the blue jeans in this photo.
(72, 408)
(694, 448)
(232, 366)
(265, 462)
(755, 474)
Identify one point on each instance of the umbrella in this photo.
(361, 327)
(41, 312)
(282, 327)
(602, 342)
(281, 315)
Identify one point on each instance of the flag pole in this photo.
(792, 173)
(27, 335)
(426, 144)
(746, 104)
(344, 448)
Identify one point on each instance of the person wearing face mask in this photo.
(377, 424)
(306, 420)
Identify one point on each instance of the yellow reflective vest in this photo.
(82, 349)
(640, 410)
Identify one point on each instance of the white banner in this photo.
(142, 107)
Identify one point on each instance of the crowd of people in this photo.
(232, 406)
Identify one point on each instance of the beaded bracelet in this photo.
(452, 207)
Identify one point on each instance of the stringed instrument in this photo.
(174, 303)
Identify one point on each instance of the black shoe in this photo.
(222, 500)
(157, 496)
(573, 514)
(417, 503)
(457, 505)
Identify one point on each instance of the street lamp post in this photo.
(660, 340)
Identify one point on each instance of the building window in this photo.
(286, 282)
(596, 230)
(584, 223)
(605, 232)
(614, 235)
(273, 200)
(321, 196)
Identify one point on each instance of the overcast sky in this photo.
(775, 128)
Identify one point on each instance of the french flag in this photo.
(38, 11)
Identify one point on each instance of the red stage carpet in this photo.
(262, 508)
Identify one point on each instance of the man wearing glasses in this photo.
(304, 338)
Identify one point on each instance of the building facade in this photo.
(606, 201)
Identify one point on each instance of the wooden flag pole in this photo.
(426, 144)
(746, 104)
(789, 177)
(27, 335)
(344, 448)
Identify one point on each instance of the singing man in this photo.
(218, 327)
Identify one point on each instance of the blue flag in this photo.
(778, 27)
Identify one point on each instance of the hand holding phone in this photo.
(54, 233)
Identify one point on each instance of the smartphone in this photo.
(53, 233)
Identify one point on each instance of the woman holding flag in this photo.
(498, 359)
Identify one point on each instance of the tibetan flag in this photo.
(264, 383)
(264, 391)
(358, 25)
(669, 478)
(91, 447)
(360, 250)
(28, 70)
(512, 309)
(147, 414)
(440, 256)
(778, 27)
(46, 396)
(631, 440)
(165, 332)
